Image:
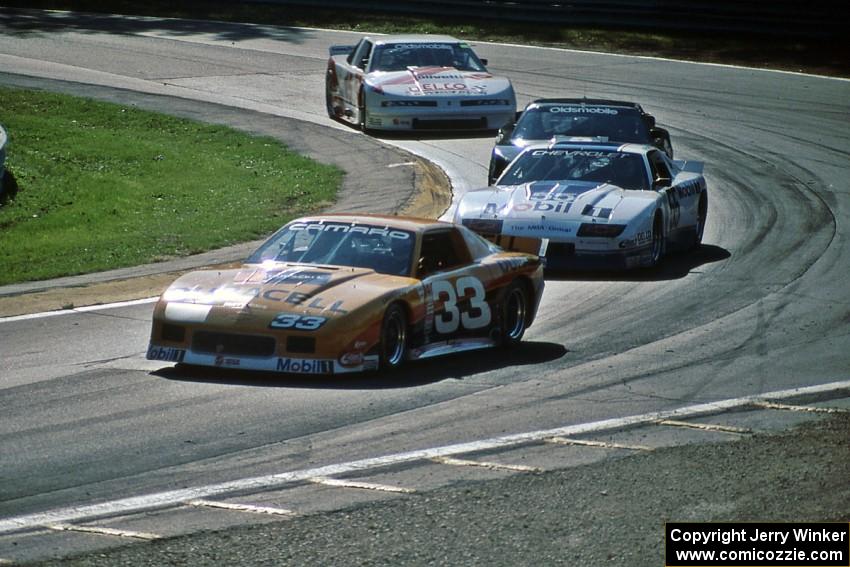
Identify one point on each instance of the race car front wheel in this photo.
(514, 314)
(657, 246)
(361, 112)
(393, 337)
(702, 214)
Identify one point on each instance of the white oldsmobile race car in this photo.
(592, 205)
(415, 82)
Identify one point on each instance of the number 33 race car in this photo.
(337, 293)
(415, 83)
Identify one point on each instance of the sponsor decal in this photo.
(578, 153)
(582, 110)
(297, 322)
(297, 276)
(509, 265)
(448, 46)
(689, 189)
(167, 354)
(640, 238)
(363, 229)
(305, 366)
(226, 361)
(350, 359)
(544, 206)
(440, 88)
(299, 298)
(538, 228)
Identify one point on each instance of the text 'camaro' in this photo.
(340, 293)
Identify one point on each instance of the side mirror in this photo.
(484, 62)
(504, 133)
(661, 182)
(650, 121)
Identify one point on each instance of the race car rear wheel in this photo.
(514, 314)
(393, 337)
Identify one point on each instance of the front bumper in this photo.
(280, 364)
(564, 256)
(440, 118)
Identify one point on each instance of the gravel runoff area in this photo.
(611, 513)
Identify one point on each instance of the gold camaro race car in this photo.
(340, 293)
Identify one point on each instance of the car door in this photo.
(350, 73)
(457, 302)
(662, 182)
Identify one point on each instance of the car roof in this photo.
(414, 38)
(589, 101)
(413, 224)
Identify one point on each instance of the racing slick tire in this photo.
(330, 85)
(657, 246)
(514, 314)
(361, 112)
(393, 345)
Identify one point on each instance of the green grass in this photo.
(99, 186)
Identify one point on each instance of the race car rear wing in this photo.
(340, 49)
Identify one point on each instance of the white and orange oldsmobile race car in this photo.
(415, 82)
(339, 293)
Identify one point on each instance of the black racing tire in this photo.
(361, 112)
(329, 107)
(702, 215)
(657, 240)
(330, 86)
(393, 345)
(515, 308)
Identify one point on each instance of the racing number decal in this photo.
(478, 314)
(298, 322)
(675, 210)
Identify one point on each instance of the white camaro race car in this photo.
(414, 82)
(592, 205)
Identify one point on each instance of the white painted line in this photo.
(402, 164)
(791, 407)
(704, 426)
(76, 310)
(240, 507)
(601, 444)
(484, 464)
(134, 504)
(103, 531)
(341, 483)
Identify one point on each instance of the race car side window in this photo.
(660, 169)
(478, 247)
(441, 249)
(360, 55)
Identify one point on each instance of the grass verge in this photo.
(97, 186)
(810, 55)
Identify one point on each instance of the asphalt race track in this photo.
(763, 307)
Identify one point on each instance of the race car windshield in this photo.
(385, 250)
(616, 124)
(400, 56)
(617, 168)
